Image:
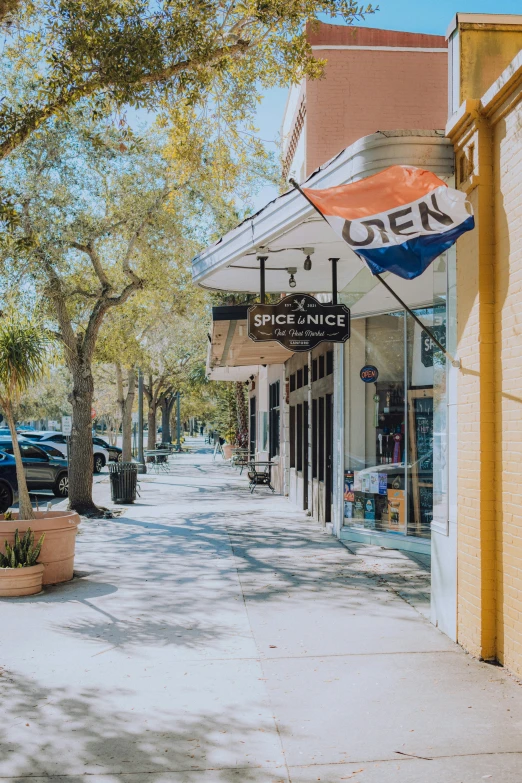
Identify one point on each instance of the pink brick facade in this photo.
(371, 88)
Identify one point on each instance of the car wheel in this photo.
(6, 497)
(99, 463)
(61, 486)
(120, 458)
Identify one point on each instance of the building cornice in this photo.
(493, 105)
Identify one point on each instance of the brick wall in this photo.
(507, 187)
(367, 90)
(487, 135)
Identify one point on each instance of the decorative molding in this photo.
(382, 48)
(294, 139)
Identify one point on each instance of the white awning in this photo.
(288, 225)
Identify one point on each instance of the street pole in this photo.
(178, 422)
(142, 468)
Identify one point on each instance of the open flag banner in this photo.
(399, 220)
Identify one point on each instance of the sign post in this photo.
(66, 430)
(299, 322)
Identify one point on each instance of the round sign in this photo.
(369, 373)
(93, 413)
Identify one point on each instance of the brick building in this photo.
(433, 449)
(485, 127)
(373, 80)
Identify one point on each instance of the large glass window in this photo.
(395, 435)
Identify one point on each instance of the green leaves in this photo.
(24, 349)
(111, 53)
(23, 553)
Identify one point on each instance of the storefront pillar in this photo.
(476, 431)
(339, 424)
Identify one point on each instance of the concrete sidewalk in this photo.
(213, 637)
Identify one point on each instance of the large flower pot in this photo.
(57, 555)
(227, 450)
(21, 581)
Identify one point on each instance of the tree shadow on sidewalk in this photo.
(62, 732)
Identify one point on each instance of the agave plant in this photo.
(23, 553)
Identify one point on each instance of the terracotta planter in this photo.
(57, 555)
(227, 450)
(21, 581)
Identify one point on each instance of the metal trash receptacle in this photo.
(124, 479)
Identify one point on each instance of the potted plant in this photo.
(20, 573)
(230, 438)
(24, 355)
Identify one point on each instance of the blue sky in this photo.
(416, 16)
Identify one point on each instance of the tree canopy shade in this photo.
(149, 53)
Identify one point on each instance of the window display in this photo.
(389, 437)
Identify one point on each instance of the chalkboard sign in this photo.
(425, 507)
(420, 435)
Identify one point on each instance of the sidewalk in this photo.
(217, 637)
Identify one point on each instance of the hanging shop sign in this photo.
(299, 322)
(369, 373)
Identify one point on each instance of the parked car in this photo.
(59, 441)
(8, 482)
(42, 470)
(115, 453)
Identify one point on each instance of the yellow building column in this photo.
(476, 542)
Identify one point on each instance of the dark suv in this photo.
(115, 453)
(42, 471)
(8, 482)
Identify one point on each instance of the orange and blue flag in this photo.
(399, 220)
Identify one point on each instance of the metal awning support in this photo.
(333, 262)
(262, 261)
(454, 361)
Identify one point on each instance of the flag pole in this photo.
(454, 361)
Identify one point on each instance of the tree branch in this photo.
(132, 243)
(55, 285)
(69, 95)
(96, 263)
(103, 304)
(7, 9)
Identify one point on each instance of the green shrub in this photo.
(23, 553)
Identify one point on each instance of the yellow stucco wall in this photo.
(507, 189)
(488, 146)
(476, 425)
(485, 50)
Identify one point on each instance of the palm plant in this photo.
(24, 345)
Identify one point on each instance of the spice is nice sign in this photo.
(299, 322)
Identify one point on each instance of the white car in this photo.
(59, 441)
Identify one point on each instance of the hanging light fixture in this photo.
(292, 270)
(308, 261)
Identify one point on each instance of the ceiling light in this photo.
(308, 260)
(292, 270)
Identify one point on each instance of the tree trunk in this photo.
(151, 421)
(24, 501)
(165, 421)
(126, 425)
(167, 404)
(242, 416)
(126, 402)
(81, 453)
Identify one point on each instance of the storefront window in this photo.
(274, 418)
(395, 426)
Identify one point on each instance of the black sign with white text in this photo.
(299, 322)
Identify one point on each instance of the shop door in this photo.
(305, 455)
(328, 479)
(252, 426)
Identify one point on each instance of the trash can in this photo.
(124, 479)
